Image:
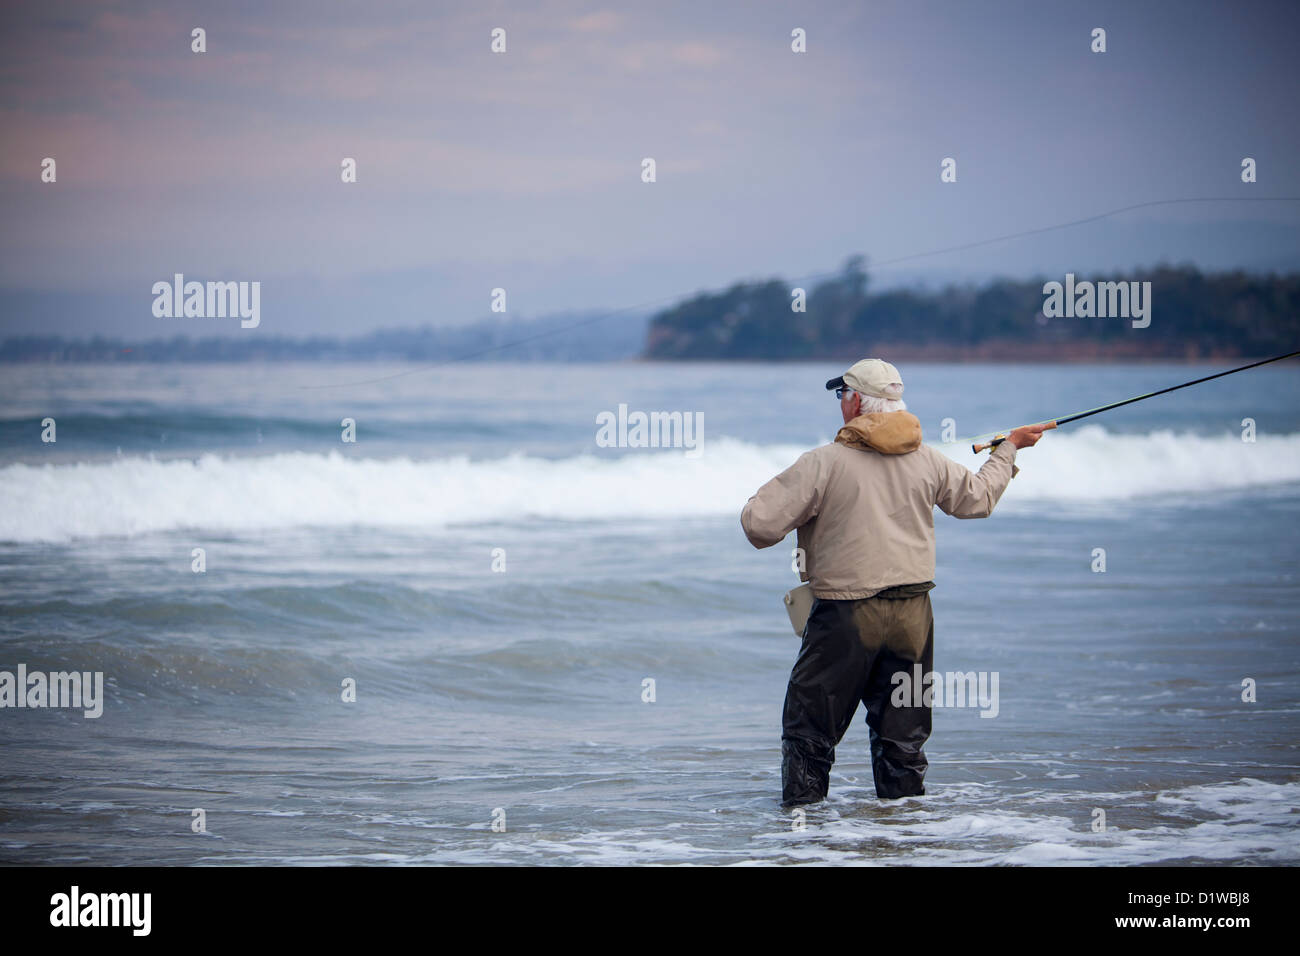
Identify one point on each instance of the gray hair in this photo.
(872, 404)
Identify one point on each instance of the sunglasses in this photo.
(839, 392)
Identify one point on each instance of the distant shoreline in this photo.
(992, 355)
(1011, 353)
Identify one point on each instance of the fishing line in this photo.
(883, 264)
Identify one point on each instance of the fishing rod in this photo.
(1140, 398)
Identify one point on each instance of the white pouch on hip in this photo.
(798, 604)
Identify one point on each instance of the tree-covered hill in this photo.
(1192, 315)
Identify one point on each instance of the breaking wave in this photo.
(132, 496)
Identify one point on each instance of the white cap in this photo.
(874, 377)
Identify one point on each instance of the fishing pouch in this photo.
(798, 604)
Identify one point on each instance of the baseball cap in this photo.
(870, 377)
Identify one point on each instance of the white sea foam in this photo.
(1091, 464)
(134, 496)
(1242, 821)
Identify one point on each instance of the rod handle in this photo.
(989, 444)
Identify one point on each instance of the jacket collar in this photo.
(890, 433)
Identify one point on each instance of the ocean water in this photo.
(501, 589)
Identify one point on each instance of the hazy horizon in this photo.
(521, 170)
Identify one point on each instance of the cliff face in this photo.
(1188, 315)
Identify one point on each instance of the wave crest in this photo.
(135, 496)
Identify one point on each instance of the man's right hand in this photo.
(1028, 435)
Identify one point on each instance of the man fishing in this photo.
(864, 509)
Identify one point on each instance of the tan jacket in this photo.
(864, 505)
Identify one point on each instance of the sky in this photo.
(522, 170)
